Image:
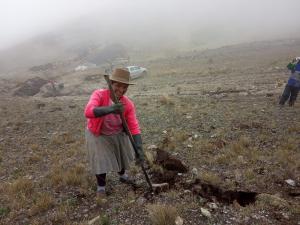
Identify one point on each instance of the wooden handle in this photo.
(124, 123)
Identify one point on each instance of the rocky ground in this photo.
(215, 110)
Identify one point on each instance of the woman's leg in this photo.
(285, 95)
(294, 94)
(101, 182)
(123, 175)
(121, 172)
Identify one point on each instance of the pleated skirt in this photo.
(108, 153)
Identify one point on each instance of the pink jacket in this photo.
(101, 98)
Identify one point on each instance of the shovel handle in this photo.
(124, 123)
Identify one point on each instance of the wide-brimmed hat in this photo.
(121, 75)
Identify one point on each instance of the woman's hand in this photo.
(104, 110)
(117, 108)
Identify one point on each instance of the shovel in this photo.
(124, 123)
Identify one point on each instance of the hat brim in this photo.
(129, 83)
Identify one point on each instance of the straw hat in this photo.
(121, 75)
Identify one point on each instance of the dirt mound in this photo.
(30, 87)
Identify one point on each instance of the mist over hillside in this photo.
(154, 28)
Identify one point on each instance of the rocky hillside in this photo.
(216, 111)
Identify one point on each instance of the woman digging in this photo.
(109, 148)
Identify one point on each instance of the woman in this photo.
(109, 148)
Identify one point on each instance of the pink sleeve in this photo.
(95, 101)
(132, 121)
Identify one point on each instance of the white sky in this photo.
(22, 19)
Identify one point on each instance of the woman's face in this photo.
(119, 88)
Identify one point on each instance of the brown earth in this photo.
(215, 110)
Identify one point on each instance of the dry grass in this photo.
(204, 146)
(157, 169)
(4, 211)
(60, 215)
(250, 177)
(166, 100)
(34, 147)
(21, 186)
(34, 158)
(104, 220)
(270, 201)
(75, 176)
(237, 153)
(63, 138)
(42, 203)
(210, 177)
(149, 156)
(169, 143)
(294, 129)
(162, 214)
(243, 142)
(181, 136)
(288, 158)
(17, 194)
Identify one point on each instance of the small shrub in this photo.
(241, 146)
(168, 143)
(68, 138)
(157, 169)
(149, 157)
(21, 186)
(56, 177)
(222, 159)
(267, 201)
(4, 211)
(162, 214)
(34, 158)
(244, 141)
(61, 214)
(42, 203)
(210, 178)
(104, 220)
(250, 176)
(205, 146)
(34, 147)
(294, 129)
(166, 100)
(75, 176)
(181, 136)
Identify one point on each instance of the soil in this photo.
(216, 111)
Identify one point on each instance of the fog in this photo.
(142, 22)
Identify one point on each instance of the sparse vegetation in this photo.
(42, 203)
(162, 214)
(222, 122)
(75, 176)
(166, 100)
(104, 220)
(4, 211)
(21, 186)
(210, 178)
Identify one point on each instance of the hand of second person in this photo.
(118, 108)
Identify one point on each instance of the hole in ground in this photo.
(211, 192)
